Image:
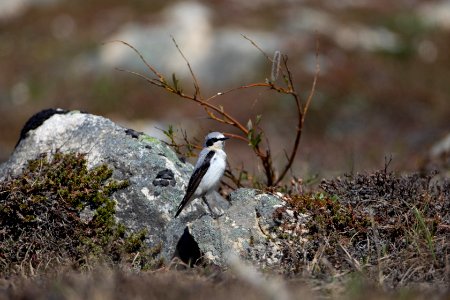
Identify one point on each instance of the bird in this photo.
(208, 170)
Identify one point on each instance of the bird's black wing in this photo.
(194, 181)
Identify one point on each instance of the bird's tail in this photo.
(181, 206)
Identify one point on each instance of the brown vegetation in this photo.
(378, 231)
(392, 230)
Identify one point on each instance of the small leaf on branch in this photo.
(258, 119)
(169, 133)
(286, 80)
(176, 85)
(243, 175)
(250, 124)
(254, 139)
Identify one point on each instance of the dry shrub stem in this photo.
(251, 133)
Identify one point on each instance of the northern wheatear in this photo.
(208, 170)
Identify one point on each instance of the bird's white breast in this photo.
(214, 173)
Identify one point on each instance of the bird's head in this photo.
(215, 140)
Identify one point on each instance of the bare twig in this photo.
(300, 111)
(242, 87)
(235, 136)
(194, 78)
(217, 112)
(257, 47)
(152, 69)
(149, 80)
(313, 87)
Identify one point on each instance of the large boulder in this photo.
(157, 180)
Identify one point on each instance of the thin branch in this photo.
(235, 136)
(316, 76)
(212, 116)
(162, 83)
(232, 121)
(153, 81)
(301, 112)
(299, 130)
(262, 51)
(257, 47)
(235, 122)
(242, 87)
(230, 175)
(217, 112)
(194, 78)
(291, 87)
(154, 71)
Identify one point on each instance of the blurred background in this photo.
(383, 89)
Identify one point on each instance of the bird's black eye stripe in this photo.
(211, 141)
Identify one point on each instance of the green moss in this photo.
(149, 139)
(146, 258)
(41, 210)
(135, 242)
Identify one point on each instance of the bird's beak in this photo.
(224, 138)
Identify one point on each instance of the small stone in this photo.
(133, 133)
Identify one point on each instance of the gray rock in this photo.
(157, 184)
(242, 229)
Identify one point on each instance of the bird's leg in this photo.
(209, 208)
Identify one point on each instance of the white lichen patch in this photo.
(258, 197)
(290, 212)
(56, 126)
(147, 194)
(57, 134)
(238, 245)
(210, 256)
(166, 210)
(94, 158)
(278, 195)
(169, 164)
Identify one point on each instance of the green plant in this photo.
(186, 148)
(422, 230)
